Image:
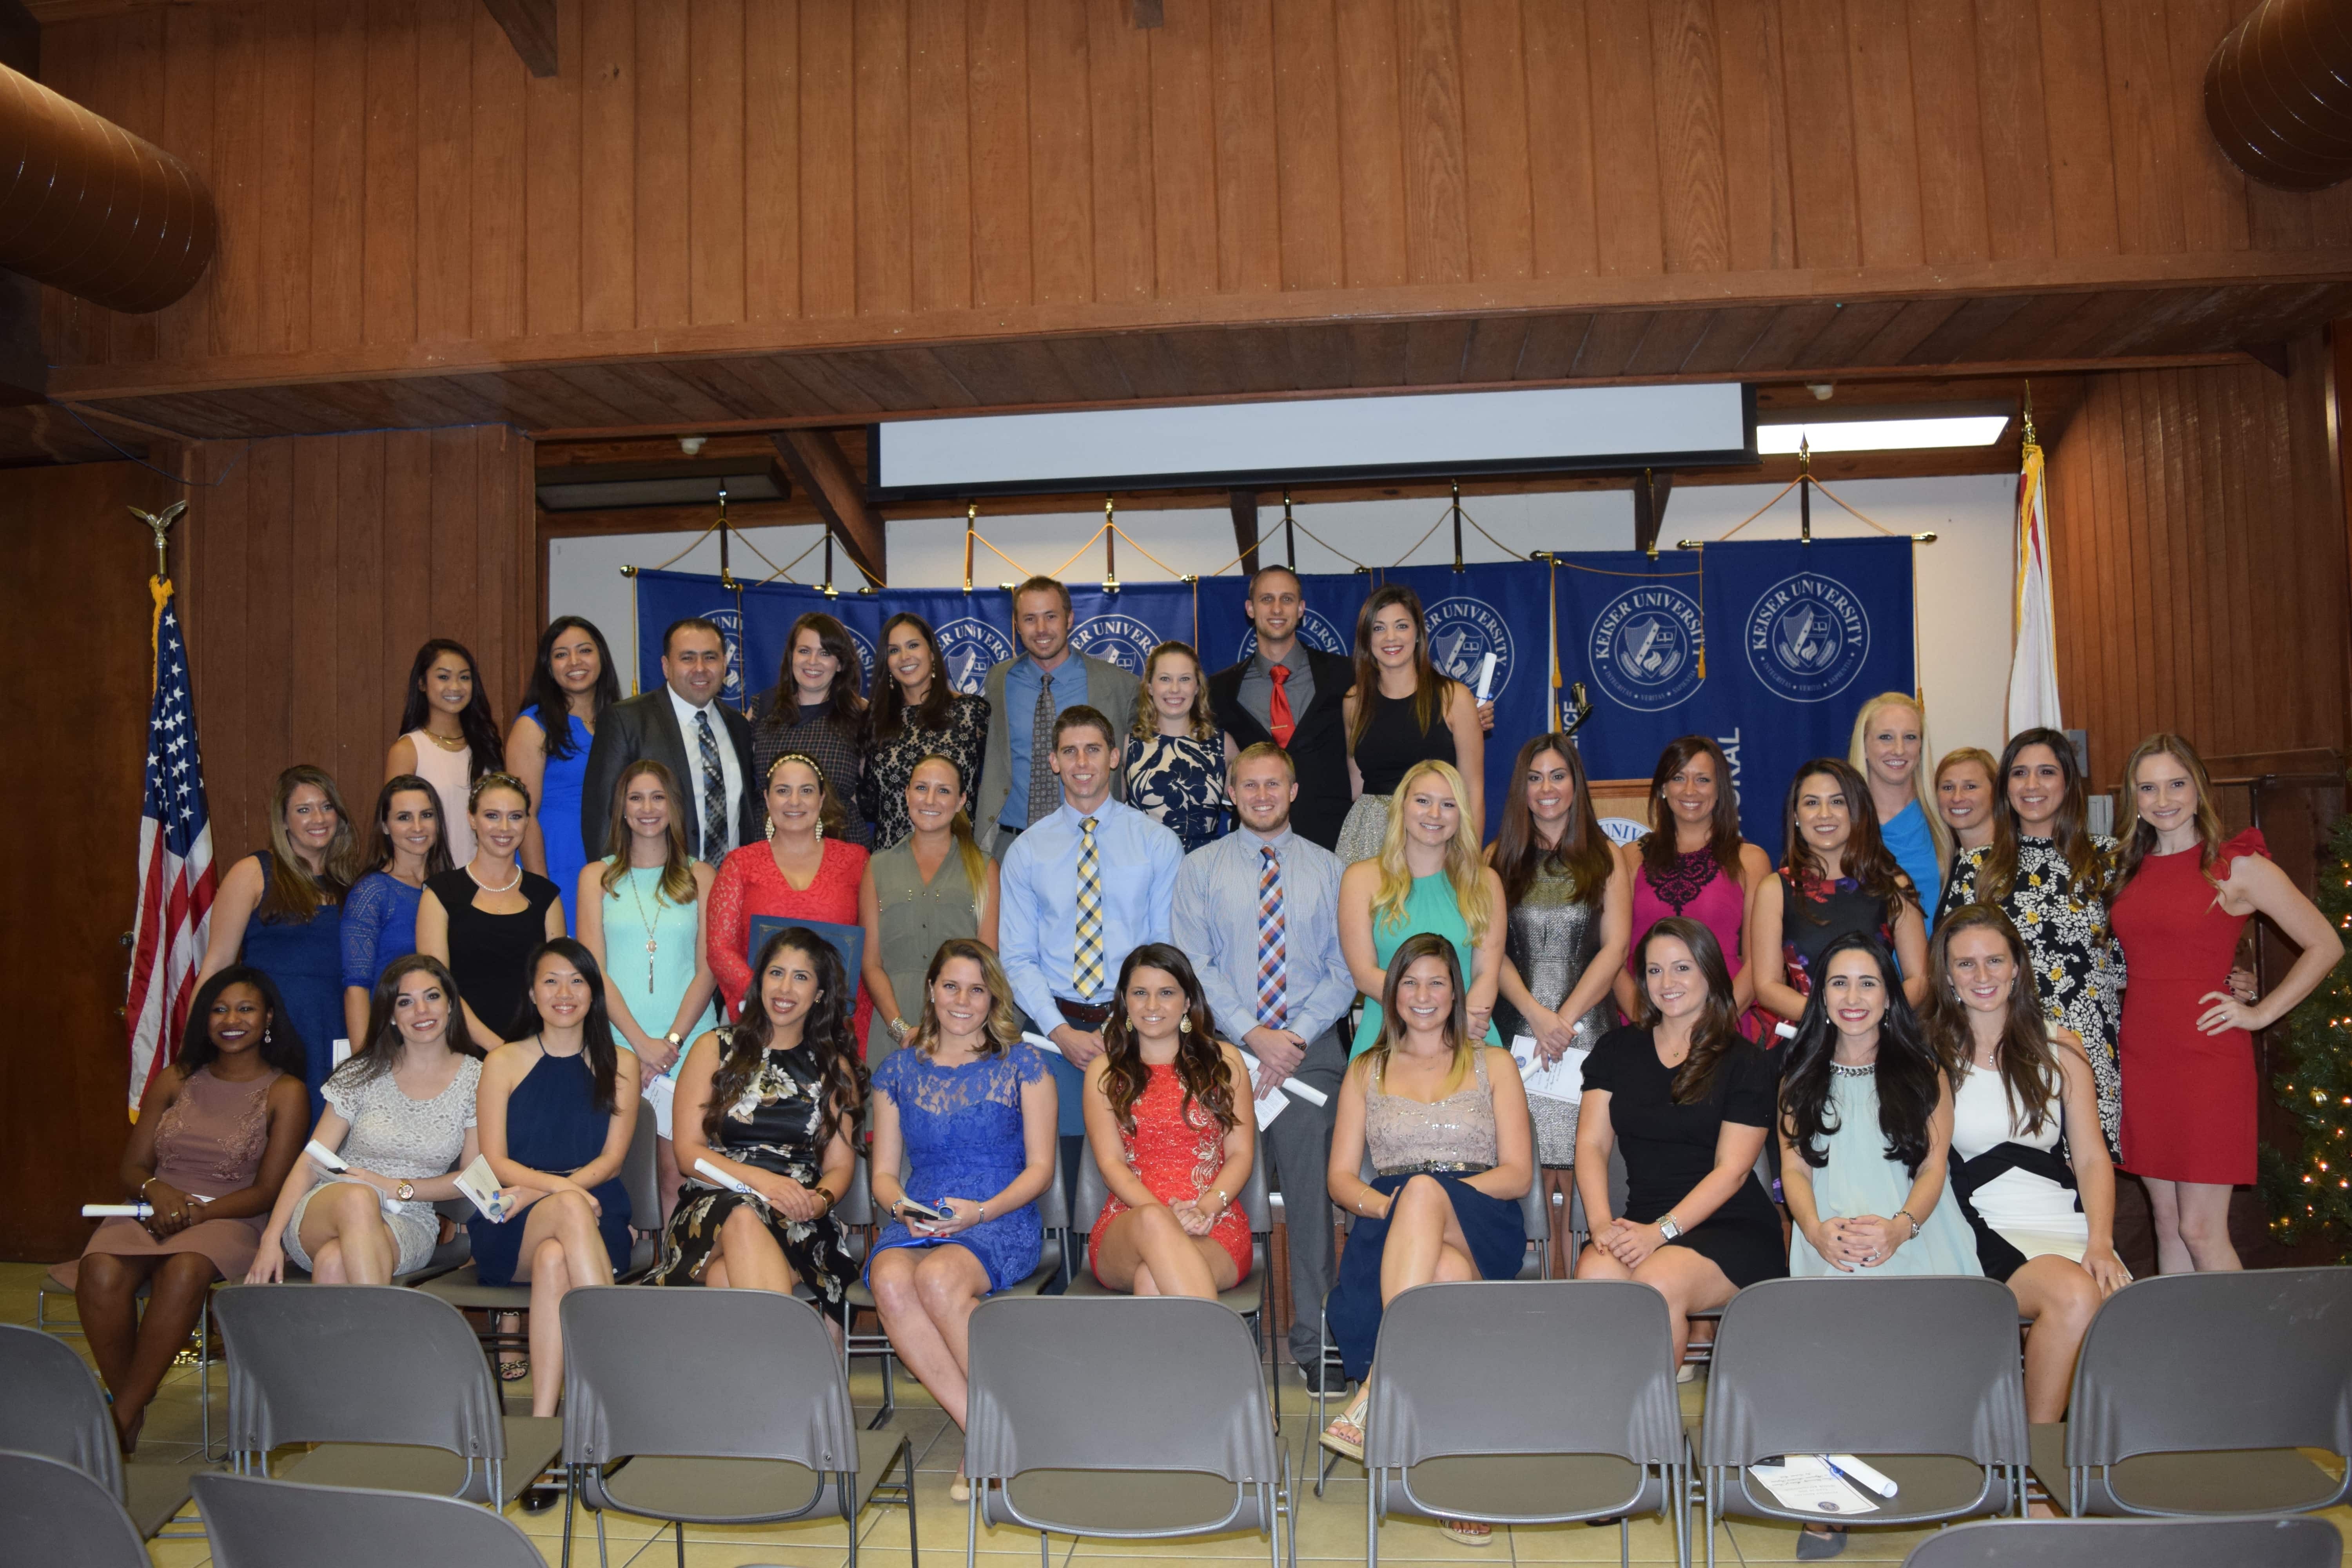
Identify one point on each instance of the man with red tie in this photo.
(1290, 694)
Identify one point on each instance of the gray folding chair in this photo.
(463, 1288)
(259, 1523)
(61, 1281)
(754, 1428)
(54, 1407)
(1936, 1400)
(2193, 1392)
(858, 1210)
(2131, 1544)
(1249, 1295)
(1543, 1402)
(388, 1384)
(1128, 1417)
(54, 1512)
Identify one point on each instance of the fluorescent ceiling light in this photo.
(1882, 434)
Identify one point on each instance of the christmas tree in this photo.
(2310, 1194)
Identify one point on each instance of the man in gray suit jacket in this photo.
(1026, 695)
(706, 745)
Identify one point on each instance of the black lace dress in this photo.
(777, 1124)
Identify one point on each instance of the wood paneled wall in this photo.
(2198, 559)
(319, 565)
(708, 173)
(74, 619)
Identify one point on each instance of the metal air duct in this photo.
(2278, 93)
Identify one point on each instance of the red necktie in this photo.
(1278, 710)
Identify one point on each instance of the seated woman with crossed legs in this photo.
(1445, 1120)
(1173, 1141)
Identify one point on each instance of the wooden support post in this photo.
(1245, 509)
(529, 26)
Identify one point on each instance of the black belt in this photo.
(1085, 1015)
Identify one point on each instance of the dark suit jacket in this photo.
(1318, 747)
(645, 725)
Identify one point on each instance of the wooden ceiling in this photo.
(1955, 333)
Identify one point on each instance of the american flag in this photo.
(175, 863)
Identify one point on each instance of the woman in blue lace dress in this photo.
(1172, 768)
(968, 1111)
(405, 844)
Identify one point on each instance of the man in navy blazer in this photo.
(681, 724)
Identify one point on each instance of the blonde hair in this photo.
(1939, 834)
(969, 853)
(294, 894)
(2138, 835)
(1466, 868)
(1146, 723)
(676, 885)
(1002, 1026)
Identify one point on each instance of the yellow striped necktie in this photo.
(1086, 961)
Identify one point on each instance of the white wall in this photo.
(1963, 579)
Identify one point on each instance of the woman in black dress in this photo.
(1691, 1099)
(485, 920)
(1402, 710)
(1837, 878)
(771, 1105)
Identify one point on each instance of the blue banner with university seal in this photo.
(1770, 648)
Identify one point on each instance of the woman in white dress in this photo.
(2028, 1165)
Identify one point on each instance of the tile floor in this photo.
(1330, 1528)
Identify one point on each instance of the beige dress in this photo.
(208, 1143)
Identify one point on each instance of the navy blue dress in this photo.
(964, 1134)
(552, 1124)
(305, 959)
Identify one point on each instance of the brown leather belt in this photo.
(1085, 1015)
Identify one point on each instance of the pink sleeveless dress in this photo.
(1696, 889)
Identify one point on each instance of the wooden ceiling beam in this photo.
(826, 477)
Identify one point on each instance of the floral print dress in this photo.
(1180, 783)
(777, 1124)
(889, 763)
(2078, 965)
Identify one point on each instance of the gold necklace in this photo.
(652, 923)
(459, 744)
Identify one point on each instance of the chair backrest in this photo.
(2305, 1542)
(55, 1512)
(1057, 1382)
(2195, 1362)
(258, 1524)
(1553, 1366)
(752, 1375)
(355, 1364)
(638, 1176)
(1938, 1360)
(54, 1406)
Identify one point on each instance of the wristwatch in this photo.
(405, 1190)
(1668, 1228)
(677, 1040)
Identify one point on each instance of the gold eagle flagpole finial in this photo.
(159, 523)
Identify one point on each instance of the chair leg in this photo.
(1372, 1518)
(914, 1553)
(971, 1525)
(602, 1561)
(680, 1526)
(571, 1502)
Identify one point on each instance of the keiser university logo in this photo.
(1314, 630)
(970, 646)
(730, 622)
(1122, 639)
(1462, 631)
(858, 640)
(1807, 637)
(1645, 645)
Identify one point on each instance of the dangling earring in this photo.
(820, 830)
(1185, 1025)
(771, 830)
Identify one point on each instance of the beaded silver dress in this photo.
(1551, 939)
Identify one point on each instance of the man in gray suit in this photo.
(706, 745)
(1026, 695)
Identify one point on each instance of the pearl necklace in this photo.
(509, 888)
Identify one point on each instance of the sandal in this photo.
(959, 1488)
(514, 1370)
(1345, 1438)
(1468, 1532)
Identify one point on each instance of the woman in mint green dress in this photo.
(643, 908)
(1866, 1128)
(1429, 877)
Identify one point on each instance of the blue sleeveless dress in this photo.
(305, 959)
(552, 1124)
(559, 812)
(964, 1134)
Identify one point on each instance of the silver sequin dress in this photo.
(1551, 940)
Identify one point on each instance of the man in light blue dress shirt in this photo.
(1258, 913)
(1037, 919)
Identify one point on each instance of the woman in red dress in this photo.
(803, 872)
(1173, 1141)
(2179, 899)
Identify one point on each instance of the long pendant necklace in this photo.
(651, 923)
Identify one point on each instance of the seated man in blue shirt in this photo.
(1258, 913)
(1080, 891)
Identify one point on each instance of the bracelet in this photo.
(1905, 1214)
(826, 1194)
